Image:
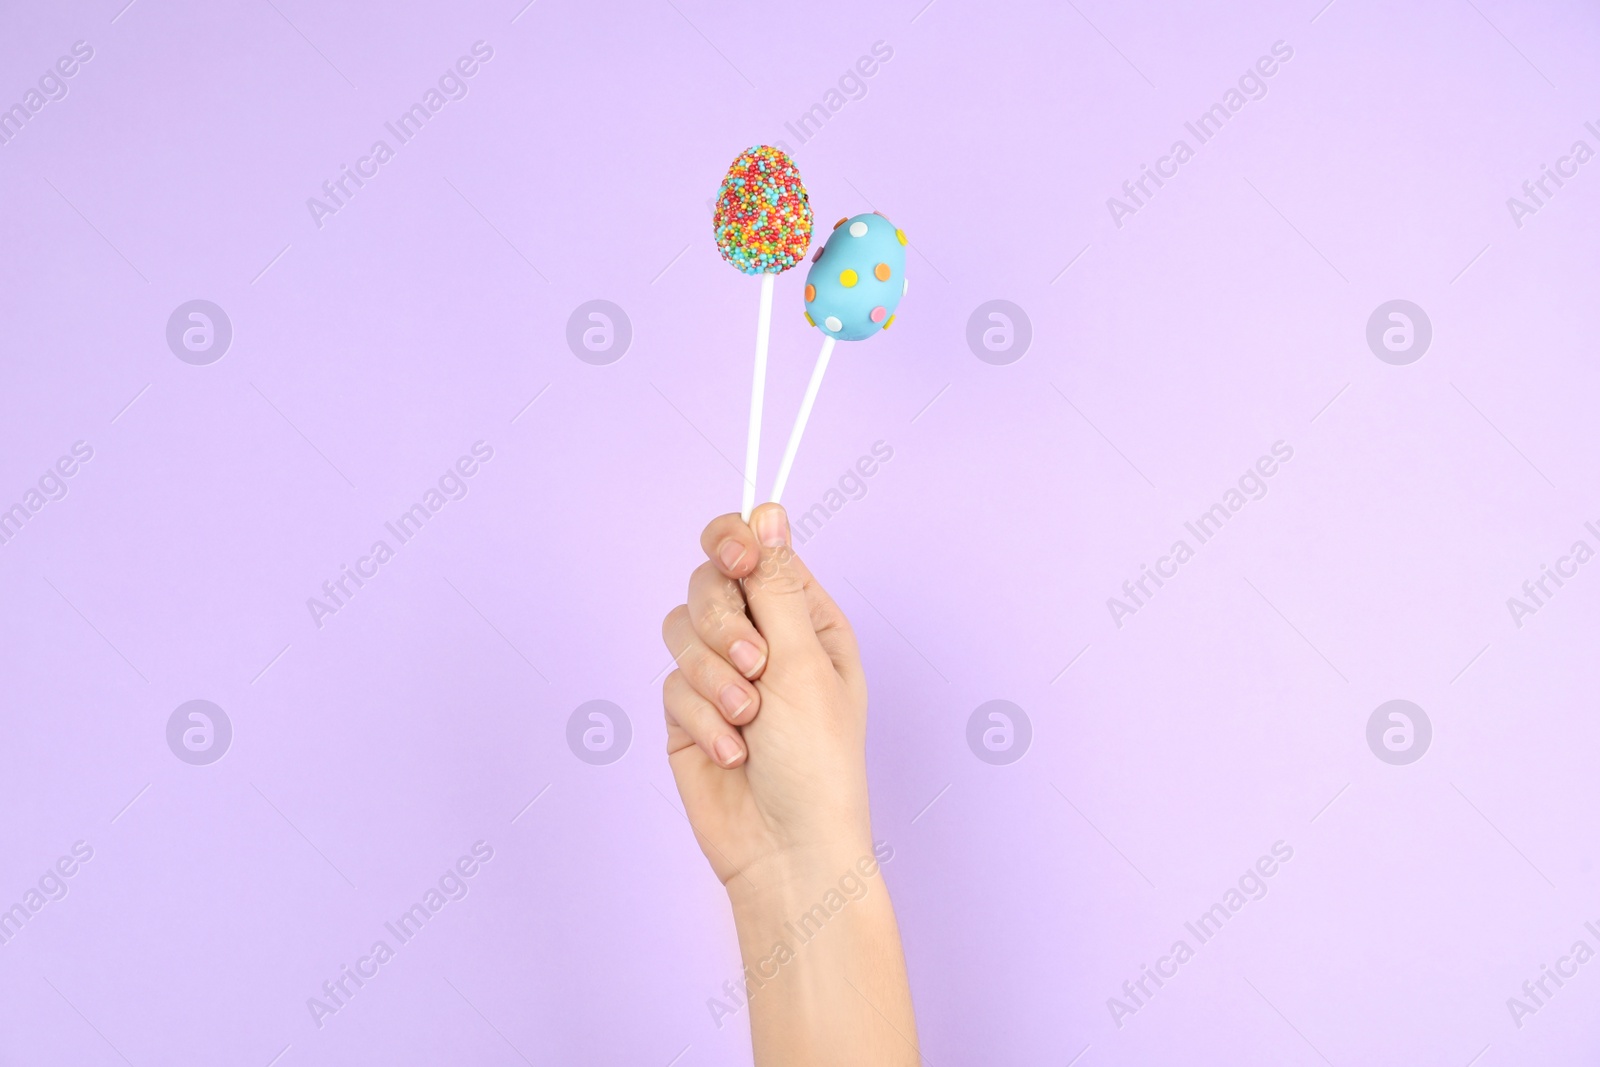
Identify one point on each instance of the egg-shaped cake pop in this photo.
(763, 217)
(857, 278)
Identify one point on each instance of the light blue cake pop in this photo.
(857, 278)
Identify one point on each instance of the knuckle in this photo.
(815, 668)
(779, 571)
(710, 619)
(840, 626)
(716, 606)
(672, 619)
(716, 616)
(707, 669)
(700, 670)
(670, 690)
(783, 582)
(686, 657)
(714, 528)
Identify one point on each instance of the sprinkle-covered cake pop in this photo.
(763, 217)
(857, 278)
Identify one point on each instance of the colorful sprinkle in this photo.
(818, 254)
(900, 235)
(889, 323)
(879, 312)
(841, 222)
(833, 324)
(809, 321)
(847, 278)
(858, 229)
(881, 272)
(905, 285)
(763, 219)
(811, 293)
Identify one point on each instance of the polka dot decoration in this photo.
(857, 278)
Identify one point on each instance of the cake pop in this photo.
(852, 290)
(762, 225)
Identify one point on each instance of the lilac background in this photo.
(1229, 713)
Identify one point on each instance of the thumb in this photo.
(776, 590)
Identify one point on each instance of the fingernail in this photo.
(727, 750)
(747, 657)
(772, 528)
(731, 554)
(734, 699)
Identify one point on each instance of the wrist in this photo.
(823, 969)
(786, 885)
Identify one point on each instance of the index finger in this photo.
(731, 546)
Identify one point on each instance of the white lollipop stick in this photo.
(812, 388)
(758, 389)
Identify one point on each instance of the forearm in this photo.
(823, 964)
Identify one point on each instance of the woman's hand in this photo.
(766, 734)
(767, 711)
